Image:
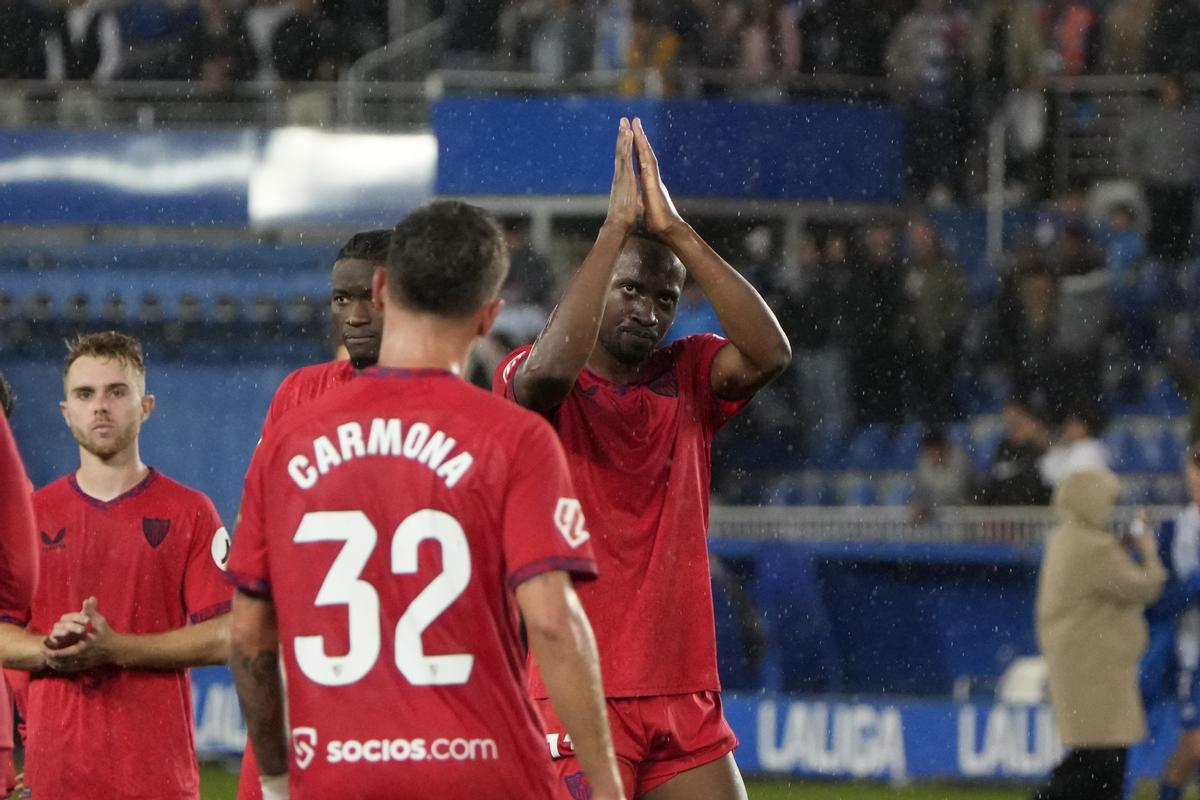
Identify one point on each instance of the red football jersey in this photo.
(306, 384)
(640, 458)
(18, 550)
(153, 559)
(391, 521)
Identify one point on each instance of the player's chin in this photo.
(363, 351)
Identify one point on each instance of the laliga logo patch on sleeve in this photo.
(568, 517)
(221, 546)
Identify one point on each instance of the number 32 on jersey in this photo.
(343, 585)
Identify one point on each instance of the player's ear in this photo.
(62, 406)
(487, 316)
(378, 287)
(148, 402)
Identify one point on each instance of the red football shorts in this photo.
(656, 738)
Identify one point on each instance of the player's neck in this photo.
(107, 478)
(421, 342)
(602, 363)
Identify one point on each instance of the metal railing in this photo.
(1022, 527)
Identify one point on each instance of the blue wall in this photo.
(554, 145)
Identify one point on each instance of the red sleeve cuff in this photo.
(210, 612)
(17, 618)
(580, 569)
(249, 584)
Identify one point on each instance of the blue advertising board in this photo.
(806, 151)
(830, 738)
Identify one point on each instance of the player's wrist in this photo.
(274, 787)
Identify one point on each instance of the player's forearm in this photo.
(21, 649)
(260, 691)
(748, 321)
(201, 645)
(570, 668)
(567, 341)
(254, 660)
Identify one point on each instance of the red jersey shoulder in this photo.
(507, 368)
(307, 384)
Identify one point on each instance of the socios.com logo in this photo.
(375, 751)
(304, 745)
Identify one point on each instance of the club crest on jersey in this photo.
(304, 746)
(578, 786)
(155, 530)
(53, 542)
(568, 517)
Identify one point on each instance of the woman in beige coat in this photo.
(1091, 594)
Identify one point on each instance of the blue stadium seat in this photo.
(1125, 450)
(868, 449)
(1165, 398)
(906, 446)
(861, 494)
(827, 450)
(899, 493)
(1162, 451)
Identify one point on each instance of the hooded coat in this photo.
(1090, 625)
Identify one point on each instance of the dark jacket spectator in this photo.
(1014, 478)
(22, 41)
(304, 48)
(1161, 148)
(1026, 325)
(1173, 46)
(220, 51)
(930, 331)
(944, 476)
(872, 309)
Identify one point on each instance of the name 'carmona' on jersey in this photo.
(416, 441)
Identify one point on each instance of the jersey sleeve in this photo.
(205, 592)
(503, 380)
(248, 568)
(18, 532)
(543, 527)
(696, 363)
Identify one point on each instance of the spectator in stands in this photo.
(1160, 143)
(1006, 52)
(22, 56)
(770, 41)
(1071, 37)
(930, 331)
(872, 308)
(1014, 478)
(1077, 448)
(530, 278)
(1173, 47)
(22, 41)
(1126, 31)
(472, 33)
(303, 46)
(809, 298)
(1124, 251)
(1090, 627)
(926, 61)
(944, 477)
(1025, 325)
(653, 52)
(1084, 311)
(552, 37)
(846, 36)
(219, 52)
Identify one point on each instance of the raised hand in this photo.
(660, 218)
(624, 204)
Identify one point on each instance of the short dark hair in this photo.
(367, 246)
(7, 399)
(447, 258)
(105, 345)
